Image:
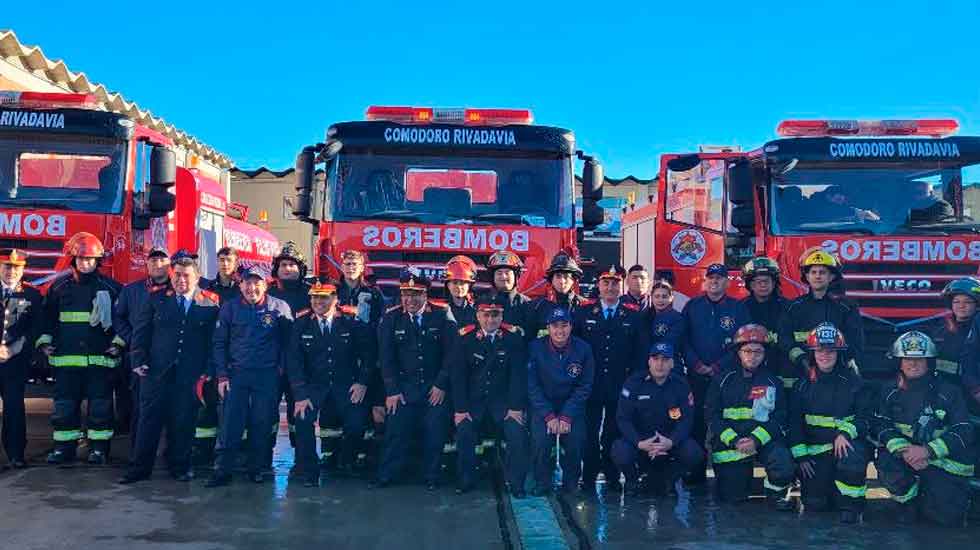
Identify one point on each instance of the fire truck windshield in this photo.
(61, 172)
(879, 199)
(442, 189)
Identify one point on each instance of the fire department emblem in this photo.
(675, 413)
(688, 247)
(661, 329)
(268, 320)
(574, 370)
(727, 323)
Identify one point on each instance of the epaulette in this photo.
(513, 329)
(348, 310)
(303, 312)
(213, 296)
(438, 305)
(466, 330)
(586, 302)
(630, 306)
(393, 308)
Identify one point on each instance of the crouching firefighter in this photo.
(82, 348)
(830, 410)
(922, 421)
(746, 410)
(330, 359)
(489, 380)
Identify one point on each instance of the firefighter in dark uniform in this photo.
(289, 285)
(416, 342)
(969, 359)
(746, 409)
(489, 380)
(250, 340)
(667, 323)
(655, 414)
(459, 278)
(619, 339)
(961, 296)
(638, 288)
(83, 348)
(227, 286)
(329, 359)
(170, 350)
(131, 299)
(22, 325)
(563, 274)
(505, 270)
(821, 272)
(710, 322)
(355, 293)
(561, 370)
(928, 453)
(766, 307)
(830, 411)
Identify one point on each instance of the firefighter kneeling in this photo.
(829, 415)
(746, 410)
(928, 454)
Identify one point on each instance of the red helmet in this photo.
(505, 258)
(84, 245)
(751, 334)
(460, 268)
(825, 336)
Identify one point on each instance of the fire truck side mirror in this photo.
(592, 215)
(592, 179)
(304, 183)
(740, 182)
(163, 175)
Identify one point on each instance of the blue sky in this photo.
(258, 80)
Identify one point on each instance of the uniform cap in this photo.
(613, 272)
(413, 279)
(158, 252)
(717, 269)
(322, 289)
(256, 271)
(490, 303)
(13, 256)
(663, 349)
(559, 315)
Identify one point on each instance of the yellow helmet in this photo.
(818, 256)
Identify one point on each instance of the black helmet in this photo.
(290, 251)
(563, 263)
(967, 286)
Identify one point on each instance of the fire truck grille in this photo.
(902, 285)
(41, 254)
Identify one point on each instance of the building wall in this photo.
(265, 191)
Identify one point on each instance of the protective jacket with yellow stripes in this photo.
(825, 405)
(68, 309)
(806, 312)
(741, 404)
(927, 411)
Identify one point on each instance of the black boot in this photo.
(98, 457)
(779, 501)
(62, 456)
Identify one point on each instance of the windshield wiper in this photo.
(504, 217)
(943, 227)
(861, 230)
(45, 203)
(410, 215)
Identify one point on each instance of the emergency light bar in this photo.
(426, 115)
(819, 128)
(48, 100)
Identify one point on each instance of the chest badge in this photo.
(661, 329)
(268, 320)
(727, 323)
(674, 413)
(574, 370)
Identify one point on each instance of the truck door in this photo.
(210, 229)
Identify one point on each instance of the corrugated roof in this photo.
(241, 172)
(33, 60)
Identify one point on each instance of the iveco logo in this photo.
(901, 285)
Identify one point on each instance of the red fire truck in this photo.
(67, 166)
(897, 200)
(417, 185)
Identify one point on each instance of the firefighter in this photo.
(355, 293)
(131, 300)
(667, 322)
(22, 325)
(830, 409)
(250, 338)
(563, 275)
(82, 347)
(329, 362)
(766, 306)
(638, 288)
(489, 380)
(654, 415)
(710, 322)
(619, 339)
(459, 277)
(505, 270)
(416, 342)
(560, 374)
(927, 458)
(170, 346)
(289, 285)
(226, 284)
(746, 407)
(821, 272)
(961, 297)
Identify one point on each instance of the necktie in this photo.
(182, 303)
(6, 293)
(323, 327)
(418, 320)
(608, 313)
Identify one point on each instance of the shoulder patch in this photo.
(586, 302)
(438, 305)
(303, 312)
(513, 329)
(630, 306)
(466, 330)
(213, 296)
(349, 310)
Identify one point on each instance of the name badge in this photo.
(478, 356)
(757, 392)
(642, 397)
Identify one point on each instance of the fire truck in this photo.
(415, 186)
(67, 165)
(898, 201)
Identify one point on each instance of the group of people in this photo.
(619, 387)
